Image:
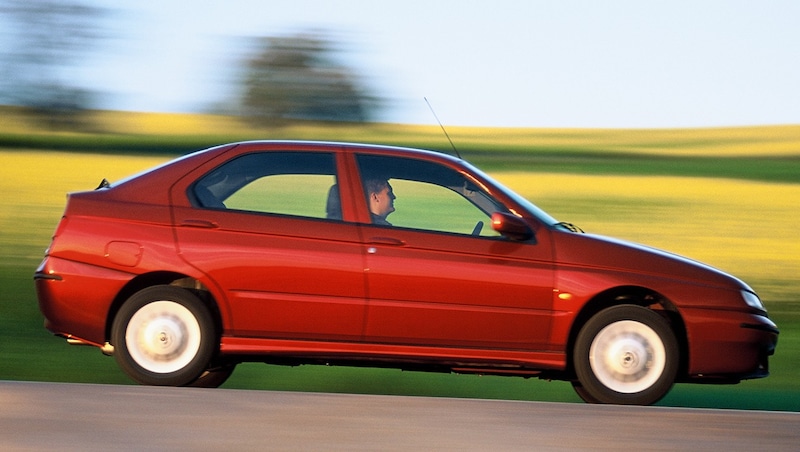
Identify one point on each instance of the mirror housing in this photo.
(513, 227)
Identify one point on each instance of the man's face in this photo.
(382, 202)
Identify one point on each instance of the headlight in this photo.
(752, 300)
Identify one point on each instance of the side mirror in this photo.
(511, 226)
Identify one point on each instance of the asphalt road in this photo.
(47, 416)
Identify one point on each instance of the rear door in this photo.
(267, 229)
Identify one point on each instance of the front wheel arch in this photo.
(634, 295)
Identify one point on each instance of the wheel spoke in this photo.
(627, 356)
(163, 337)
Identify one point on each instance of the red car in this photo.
(334, 253)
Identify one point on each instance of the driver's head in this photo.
(380, 197)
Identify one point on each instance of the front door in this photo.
(439, 275)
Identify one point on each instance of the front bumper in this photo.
(729, 345)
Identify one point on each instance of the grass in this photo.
(744, 225)
(765, 153)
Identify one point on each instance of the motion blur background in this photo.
(671, 123)
(573, 63)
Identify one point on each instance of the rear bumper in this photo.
(75, 298)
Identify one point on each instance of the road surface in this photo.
(48, 416)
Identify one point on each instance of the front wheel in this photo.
(625, 355)
(165, 336)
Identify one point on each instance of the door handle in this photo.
(385, 241)
(204, 224)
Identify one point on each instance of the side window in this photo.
(423, 205)
(285, 183)
(424, 195)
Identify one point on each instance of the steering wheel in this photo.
(476, 231)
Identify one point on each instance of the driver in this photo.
(381, 200)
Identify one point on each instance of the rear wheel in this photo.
(164, 335)
(213, 377)
(625, 355)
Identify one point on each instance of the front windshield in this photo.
(531, 208)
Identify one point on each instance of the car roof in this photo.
(347, 147)
(150, 184)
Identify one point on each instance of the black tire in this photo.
(583, 393)
(625, 355)
(164, 336)
(213, 377)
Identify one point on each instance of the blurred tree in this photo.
(42, 40)
(297, 77)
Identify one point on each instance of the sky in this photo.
(499, 63)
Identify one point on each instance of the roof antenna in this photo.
(443, 130)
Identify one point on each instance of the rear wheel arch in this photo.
(146, 280)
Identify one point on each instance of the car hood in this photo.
(606, 253)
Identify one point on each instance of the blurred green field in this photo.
(737, 215)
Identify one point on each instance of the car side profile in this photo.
(291, 252)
